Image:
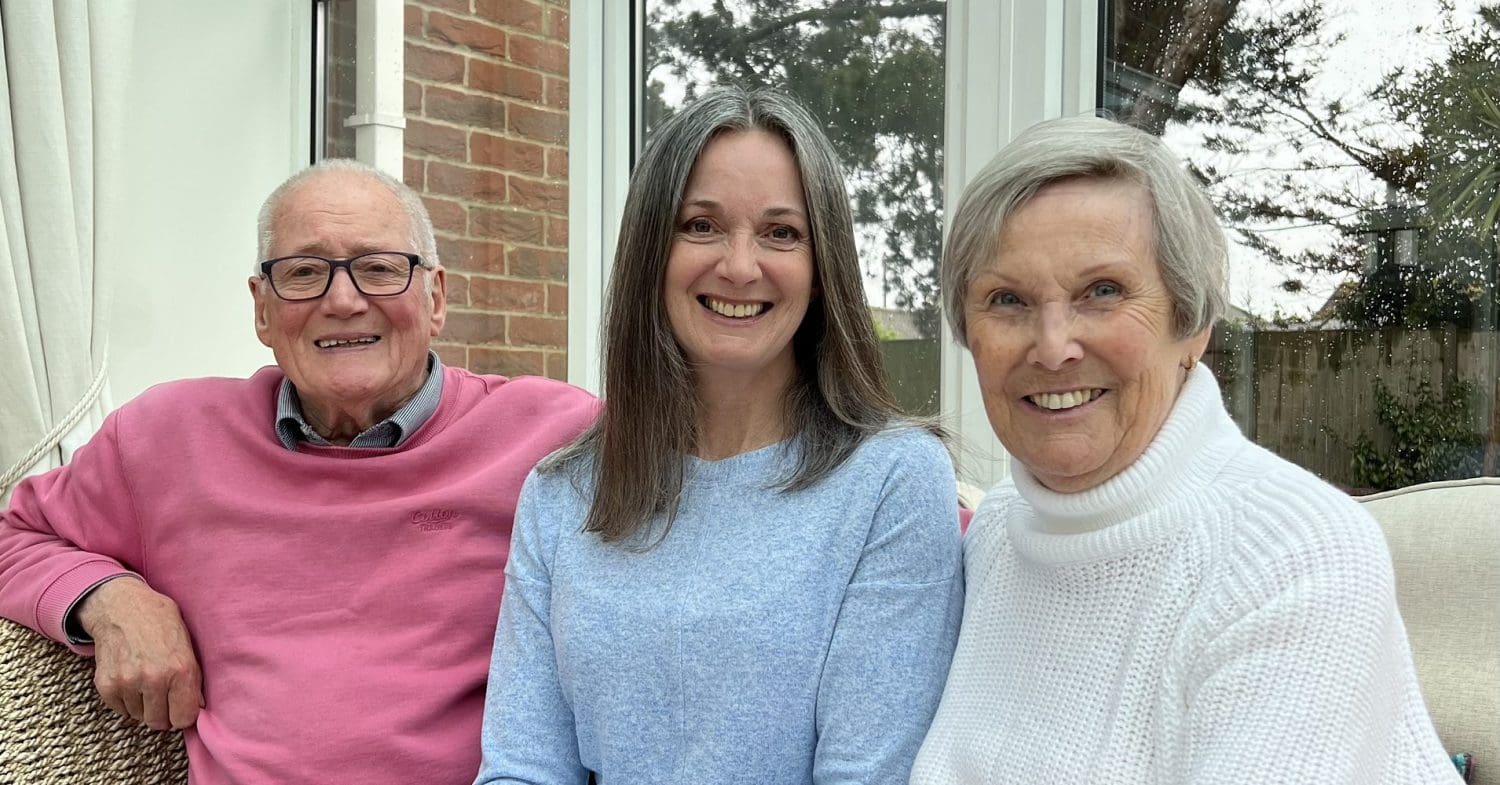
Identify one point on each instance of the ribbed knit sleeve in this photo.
(1298, 664)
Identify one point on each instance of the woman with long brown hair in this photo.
(749, 568)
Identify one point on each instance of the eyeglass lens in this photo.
(307, 276)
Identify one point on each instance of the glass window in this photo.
(1357, 182)
(336, 33)
(874, 76)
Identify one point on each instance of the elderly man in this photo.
(326, 539)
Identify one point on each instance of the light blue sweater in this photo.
(771, 637)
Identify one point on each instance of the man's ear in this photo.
(260, 295)
(439, 299)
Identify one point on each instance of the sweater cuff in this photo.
(58, 598)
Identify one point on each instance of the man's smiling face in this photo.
(351, 356)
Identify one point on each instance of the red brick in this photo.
(556, 92)
(458, 288)
(472, 255)
(473, 327)
(557, 366)
(539, 124)
(456, 355)
(557, 232)
(414, 20)
(496, 294)
(557, 163)
(411, 172)
(557, 24)
(509, 225)
(512, 155)
(536, 331)
(466, 109)
(505, 80)
(506, 362)
(537, 263)
(539, 196)
(545, 55)
(478, 36)
(413, 97)
(433, 64)
(557, 299)
(447, 216)
(475, 185)
(441, 141)
(522, 14)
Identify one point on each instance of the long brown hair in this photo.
(649, 423)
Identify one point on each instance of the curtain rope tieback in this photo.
(54, 436)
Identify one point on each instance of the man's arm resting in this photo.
(144, 665)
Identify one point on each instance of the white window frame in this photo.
(379, 119)
(1001, 77)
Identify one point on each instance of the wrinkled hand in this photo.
(144, 667)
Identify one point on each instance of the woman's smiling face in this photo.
(739, 273)
(1070, 326)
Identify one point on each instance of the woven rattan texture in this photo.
(54, 728)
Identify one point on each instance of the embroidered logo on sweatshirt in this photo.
(434, 520)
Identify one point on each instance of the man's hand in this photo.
(144, 667)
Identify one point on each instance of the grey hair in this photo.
(1190, 245)
(418, 222)
(649, 423)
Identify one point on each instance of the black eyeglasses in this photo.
(376, 274)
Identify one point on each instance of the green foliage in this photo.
(1410, 297)
(1458, 102)
(1432, 437)
(881, 331)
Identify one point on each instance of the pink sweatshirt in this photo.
(342, 601)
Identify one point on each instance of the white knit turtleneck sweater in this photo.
(1212, 614)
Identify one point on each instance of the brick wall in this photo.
(486, 145)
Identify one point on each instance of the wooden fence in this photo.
(1309, 395)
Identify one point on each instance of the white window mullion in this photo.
(599, 153)
(379, 120)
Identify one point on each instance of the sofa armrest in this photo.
(56, 730)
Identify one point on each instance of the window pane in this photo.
(873, 74)
(1356, 179)
(338, 77)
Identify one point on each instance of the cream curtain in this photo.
(62, 99)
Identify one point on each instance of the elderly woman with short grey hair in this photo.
(749, 569)
(1151, 598)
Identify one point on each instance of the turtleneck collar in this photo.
(1189, 450)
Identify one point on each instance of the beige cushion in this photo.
(54, 728)
(1445, 544)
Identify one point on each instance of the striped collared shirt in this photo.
(292, 427)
